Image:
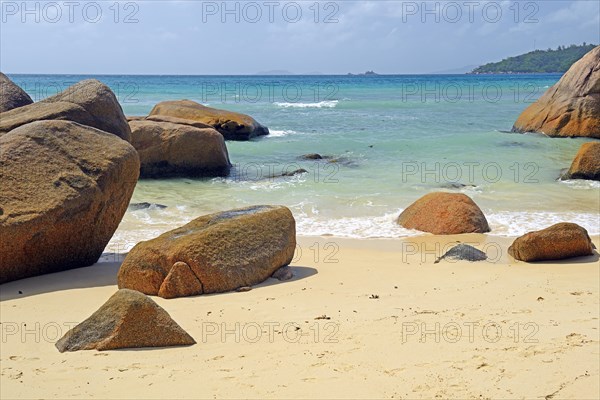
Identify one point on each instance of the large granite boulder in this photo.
(560, 241)
(215, 253)
(443, 213)
(88, 102)
(64, 188)
(571, 107)
(232, 125)
(586, 164)
(11, 95)
(129, 319)
(168, 149)
(175, 120)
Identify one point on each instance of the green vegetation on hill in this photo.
(538, 61)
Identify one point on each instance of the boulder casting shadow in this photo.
(103, 273)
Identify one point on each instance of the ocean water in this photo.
(392, 140)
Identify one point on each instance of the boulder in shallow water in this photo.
(444, 213)
(586, 164)
(224, 251)
(129, 319)
(11, 95)
(88, 102)
(168, 149)
(570, 108)
(232, 125)
(64, 190)
(560, 241)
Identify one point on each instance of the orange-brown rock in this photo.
(11, 95)
(64, 188)
(443, 213)
(570, 108)
(88, 102)
(180, 282)
(586, 164)
(225, 251)
(130, 118)
(168, 149)
(232, 125)
(129, 319)
(175, 120)
(560, 241)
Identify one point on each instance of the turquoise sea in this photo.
(394, 138)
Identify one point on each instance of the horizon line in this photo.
(256, 75)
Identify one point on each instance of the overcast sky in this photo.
(203, 37)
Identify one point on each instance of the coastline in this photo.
(380, 296)
(388, 207)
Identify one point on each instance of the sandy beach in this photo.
(360, 319)
(300, 200)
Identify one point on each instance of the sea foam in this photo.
(321, 104)
(280, 133)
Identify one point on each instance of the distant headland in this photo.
(538, 61)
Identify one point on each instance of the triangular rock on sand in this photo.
(129, 319)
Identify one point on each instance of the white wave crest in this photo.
(518, 223)
(321, 104)
(280, 133)
(581, 184)
(146, 224)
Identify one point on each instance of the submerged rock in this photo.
(570, 108)
(523, 145)
(145, 206)
(11, 95)
(586, 164)
(232, 125)
(129, 319)
(456, 185)
(224, 251)
(312, 156)
(330, 159)
(560, 241)
(65, 188)
(289, 173)
(443, 213)
(342, 160)
(88, 102)
(167, 149)
(295, 172)
(463, 252)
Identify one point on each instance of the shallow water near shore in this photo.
(389, 139)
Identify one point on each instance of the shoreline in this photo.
(347, 318)
(373, 317)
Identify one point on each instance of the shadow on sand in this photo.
(593, 259)
(103, 273)
(299, 274)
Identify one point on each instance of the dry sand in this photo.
(392, 330)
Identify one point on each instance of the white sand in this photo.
(370, 348)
